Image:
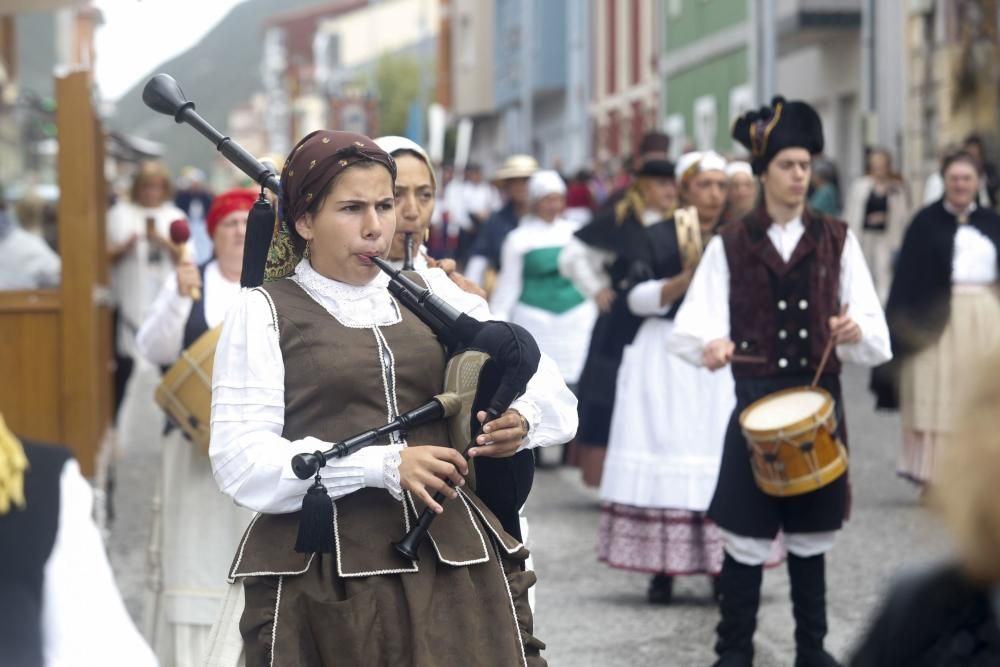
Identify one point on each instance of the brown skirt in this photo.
(932, 380)
(440, 615)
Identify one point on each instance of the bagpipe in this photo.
(489, 365)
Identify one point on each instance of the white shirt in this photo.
(704, 315)
(28, 262)
(251, 459)
(161, 335)
(84, 621)
(135, 280)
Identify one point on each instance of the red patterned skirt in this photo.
(659, 541)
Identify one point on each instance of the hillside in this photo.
(219, 73)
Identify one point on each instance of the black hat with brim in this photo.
(769, 130)
(657, 169)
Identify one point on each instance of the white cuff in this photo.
(530, 412)
(390, 471)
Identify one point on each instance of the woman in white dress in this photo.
(530, 290)
(142, 257)
(669, 417)
(197, 528)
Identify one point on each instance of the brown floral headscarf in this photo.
(309, 170)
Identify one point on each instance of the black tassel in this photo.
(260, 229)
(316, 521)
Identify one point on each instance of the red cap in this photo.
(234, 200)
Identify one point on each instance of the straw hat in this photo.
(516, 166)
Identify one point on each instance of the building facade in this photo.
(625, 96)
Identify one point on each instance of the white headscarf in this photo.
(739, 167)
(545, 182)
(697, 162)
(392, 144)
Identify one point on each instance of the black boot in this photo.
(808, 579)
(739, 597)
(661, 589)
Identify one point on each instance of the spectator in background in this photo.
(741, 196)
(484, 255)
(142, 256)
(825, 185)
(942, 306)
(579, 199)
(28, 261)
(194, 199)
(877, 211)
(478, 200)
(973, 145)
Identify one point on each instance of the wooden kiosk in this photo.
(55, 355)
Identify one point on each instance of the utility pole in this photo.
(527, 65)
(766, 51)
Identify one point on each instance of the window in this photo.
(704, 122)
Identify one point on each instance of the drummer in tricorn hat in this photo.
(771, 291)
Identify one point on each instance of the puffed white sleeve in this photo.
(83, 615)
(581, 265)
(704, 315)
(857, 291)
(161, 334)
(507, 290)
(547, 403)
(644, 300)
(251, 460)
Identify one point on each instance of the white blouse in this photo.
(974, 261)
(704, 315)
(251, 459)
(162, 332)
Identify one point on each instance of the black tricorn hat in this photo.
(657, 168)
(769, 130)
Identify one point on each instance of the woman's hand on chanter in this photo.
(423, 471)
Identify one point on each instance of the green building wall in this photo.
(716, 77)
(701, 18)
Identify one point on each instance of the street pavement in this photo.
(592, 615)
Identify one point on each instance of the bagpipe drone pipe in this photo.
(489, 366)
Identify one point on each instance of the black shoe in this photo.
(739, 597)
(661, 589)
(814, 658)
(808, 582)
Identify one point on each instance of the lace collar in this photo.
(354, 306)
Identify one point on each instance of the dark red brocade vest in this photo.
(780, 310)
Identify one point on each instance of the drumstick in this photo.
(826, 354)
(748, 359)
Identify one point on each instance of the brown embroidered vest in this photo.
(340, 381)
(780, 310)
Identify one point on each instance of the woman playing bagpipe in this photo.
(327, 352)
(416, 189)
(197, 527)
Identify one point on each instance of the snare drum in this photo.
(185, 393)
(793, 444)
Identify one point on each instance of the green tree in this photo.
(398, 83)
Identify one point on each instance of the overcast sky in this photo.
(137, 35)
